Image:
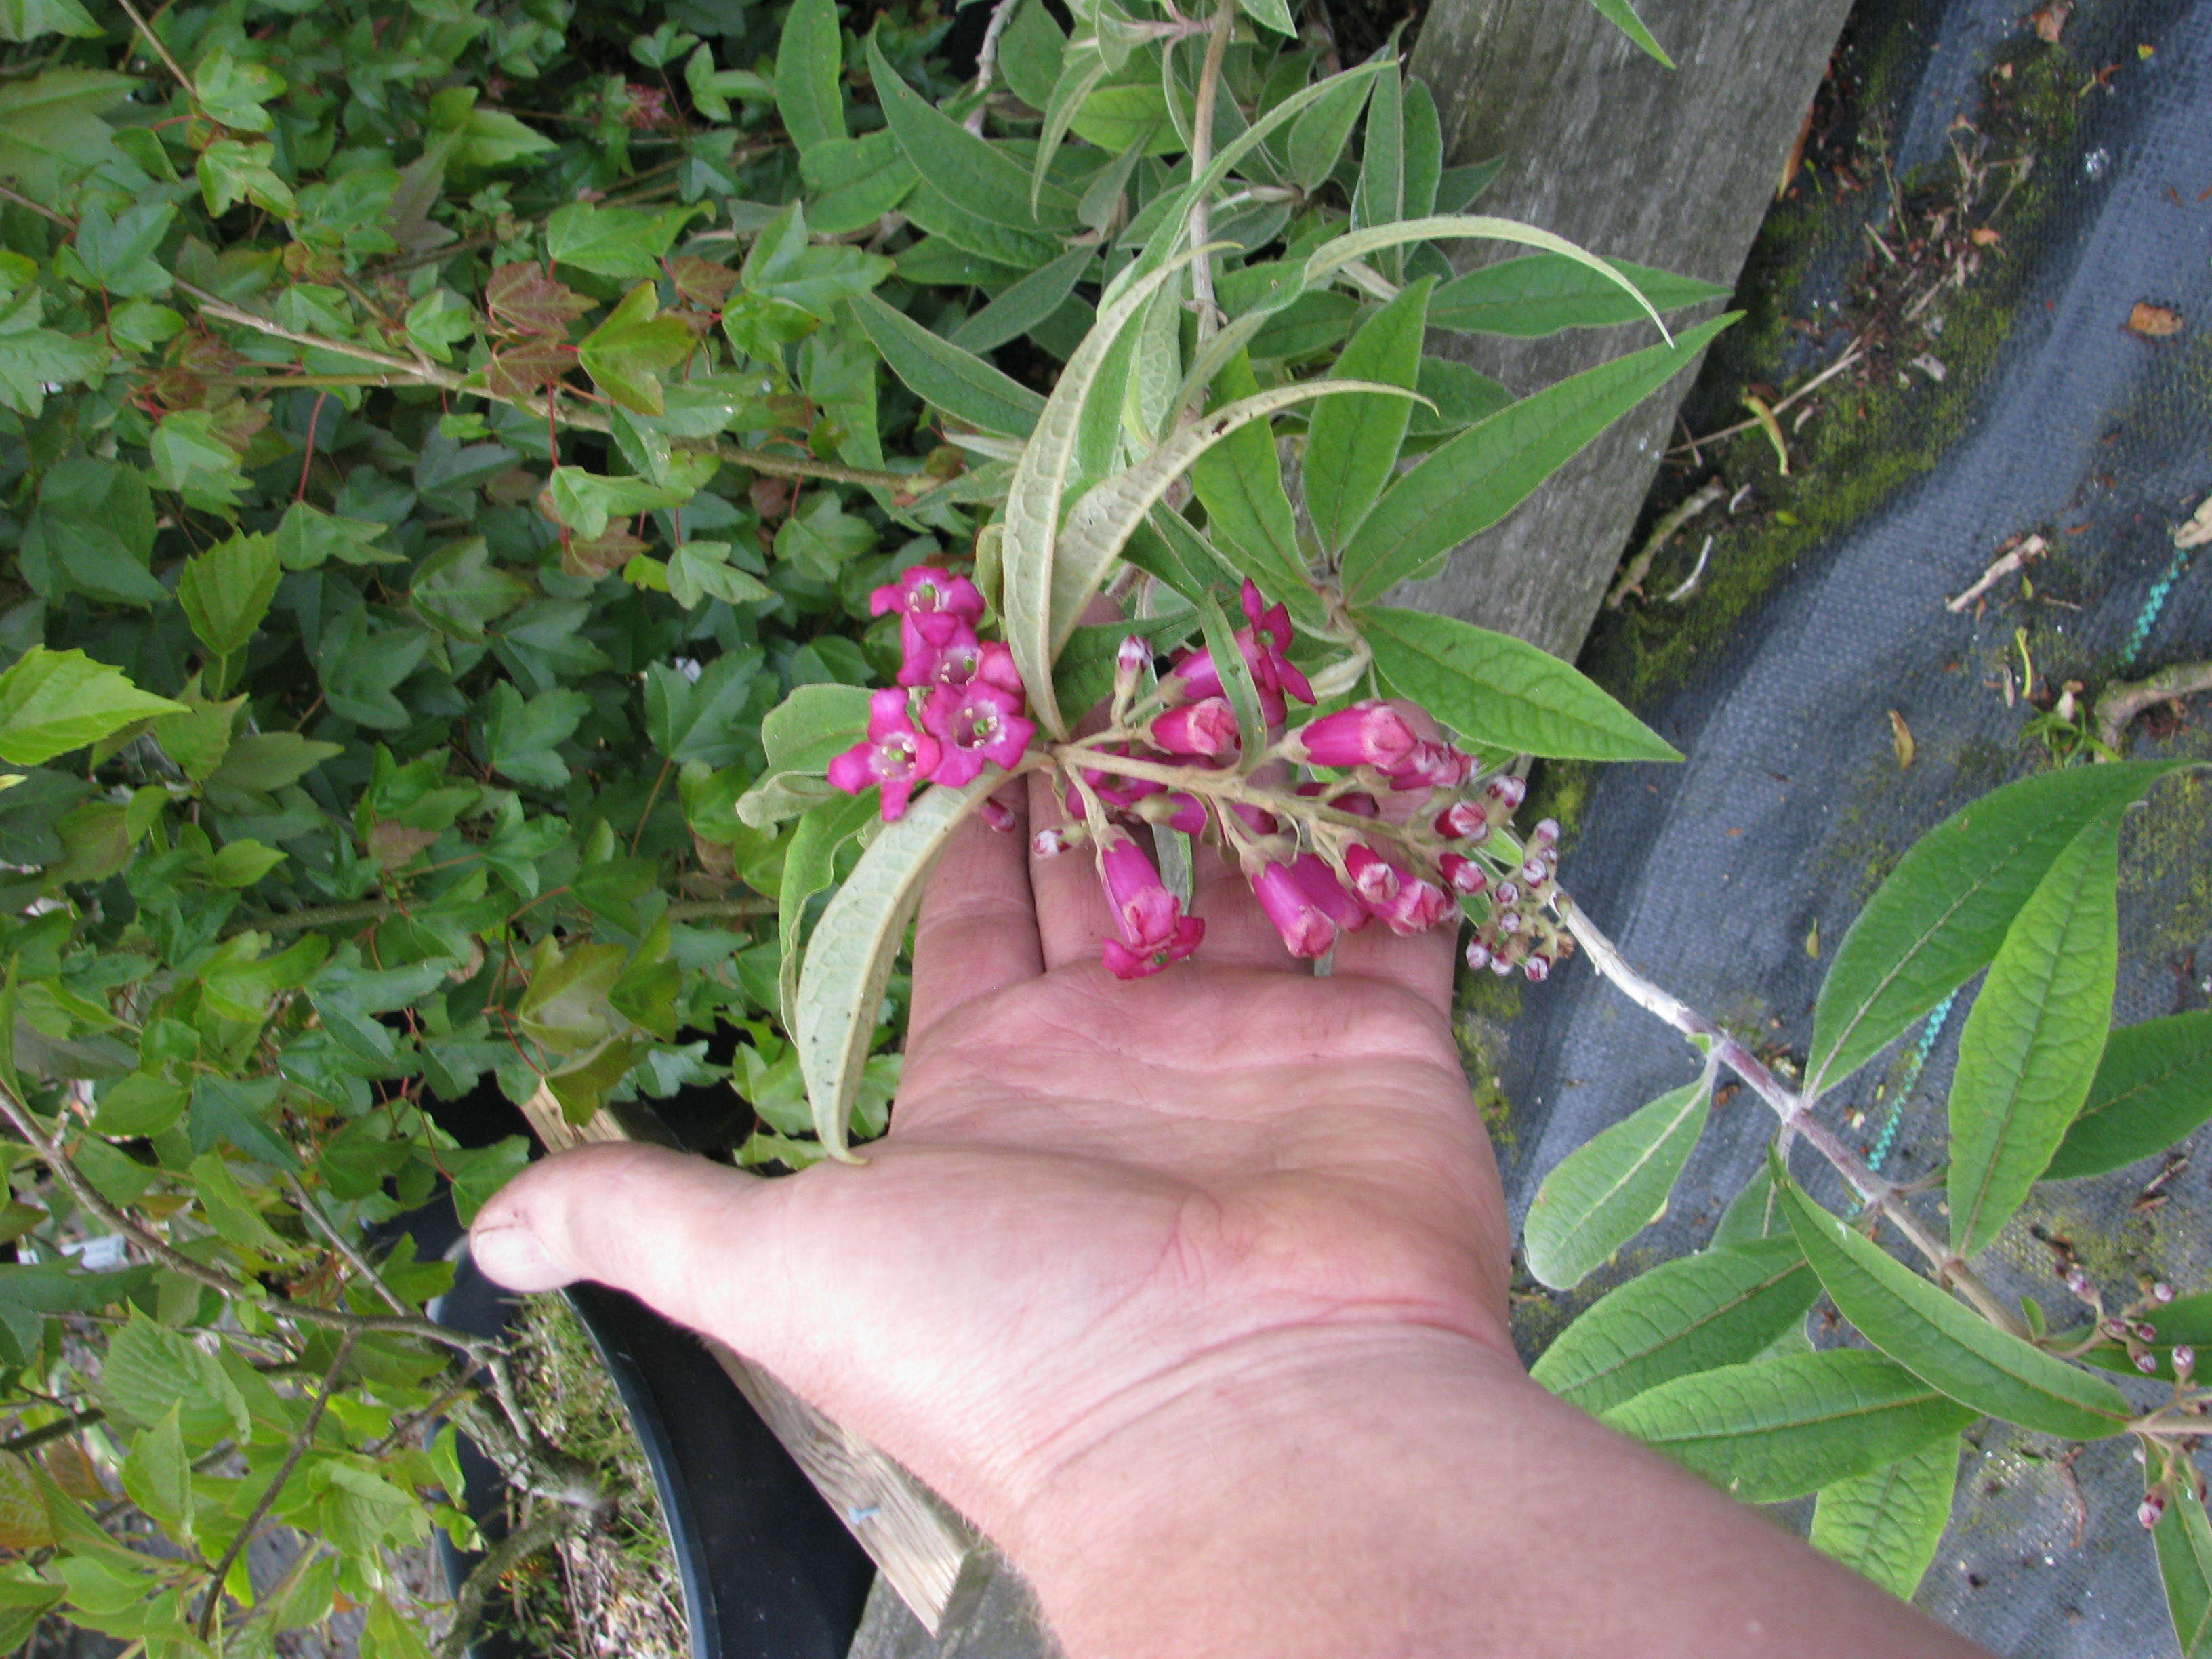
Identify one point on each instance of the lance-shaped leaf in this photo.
(2183, 1539)
(1380, 197)
(970, 170)
(849, 957)
(810, 66)
(810, 867)
(1423, 159)
(958, 382)
(1102, 521)
(1493, 689)
(2030, 1048)
(1612, 1186)
(1540, 294)
(2154, 1086)
(1033, 499)
(1024, 306)
(1721, 1307)
(1622, 15)
(1940, 917)
(1785, 1427)
(1081, 69)
(1887, 1525)
(1943, 1342)
(1318, 136)
(1471, 482)
(1352, 443)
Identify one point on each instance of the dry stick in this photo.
(1850, 355)
(1201, 155)
(292, 1456)
(160, 50)
(1631, 576)
(39, 208)
(51, 1154)
(422, 374)
(2123, 700)
(1796, 1117)
(987, 62)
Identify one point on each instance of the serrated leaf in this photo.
(459, 591)
(27, 19)
(625, 355)
(1943, 1342)
(958, 382)
(1721, 1307)
(2030, 1048)
(614, 241)
(521, 738)
(1941, 914)
(1781, 1428)
(1612, 1186)
(1495, 689)
(1471, 482)
(226, 591)
(2183, 1539)
(52, 701)
(50, 125)
(1542, 294)
(810, 66)
(2153, 1088)
(1887, 1525)
(1353, 443)
(849, 957)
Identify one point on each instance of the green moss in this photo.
(2165, 870)
(1486, 1005)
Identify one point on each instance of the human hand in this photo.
(1097, 1196)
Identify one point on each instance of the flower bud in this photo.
(1538, 968)
(1463, 820)
(1463, 875)
(2145, 1332)
(1129, 665)
(1205, 729)
(1371, 733)
(1507, 894)
(1376, 879)
(1501, 964)
(1178, 810)
(2116, 1328)
(1478, 955)
(2161, 1291)
(2077, 1284)
(1051, 844)
(1358, 802)
(2147, 1363)
(1507, 790)
(2185, 1359)
(1546, 834)
(995, 815)
(2150, 1509)
(1532, 872)
(1307, 931)
(1431, 766)
(1509, 921)
(1320, 886)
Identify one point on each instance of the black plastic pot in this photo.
(768, 1570)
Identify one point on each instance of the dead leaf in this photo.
(2152, 322)
(2199, 530)
(2051, 21)
(1763, 413)
(1901, 735)
(1984, 236)
(74, 1471)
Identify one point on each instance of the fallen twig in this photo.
(1631, 580)
(2011, 559)
(2123, 700)
(1850, 355)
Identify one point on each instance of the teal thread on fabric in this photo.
(2154, 603)
(1915, 1063)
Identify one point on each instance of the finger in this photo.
(977, 933)
(676, 1231)
(1420, 965)
(1072, 913)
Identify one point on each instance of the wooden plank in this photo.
(1669, 167)
(918, 1544)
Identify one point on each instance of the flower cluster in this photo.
(957, 704)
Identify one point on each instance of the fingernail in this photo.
(513, 1256)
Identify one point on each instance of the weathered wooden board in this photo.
(1669, 168)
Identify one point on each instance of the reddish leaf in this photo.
(521, 370)
(523, 300)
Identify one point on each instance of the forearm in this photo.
(1412, 1493)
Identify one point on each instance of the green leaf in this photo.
(2183, 1540)
(242, 863)
(702, 570)
(34, 360)
(93, 531)
(234, 1112)
(1424, 151)
(1380, 197)
(958, 382)
(2153, 1087)
(1493, 689)
(1612, 1186)
(226, 591)
(1542, 294)
(625, 355)
(1248, 518)
(1887, 1525)
(810, 66)
(1271, 13)
(1468, 484)
(522, 739)
(1084, 676)
(233, 170)
(480, 1171)
(585, 502)
(1622, 15)
(809, 868)
(1318, 136)
(814, 723)
(52, 701)
(50, 125)
(1752, 1213)
(1943, 1342)
(149, 1372)
(2030, 1048)
(1782, 1428)
(1938, 920)
(158, 1475)
(307, 537)
(971, 172)
(614, 241)
(231, 91)
(849, 957)
(786, 267)
(27, 19)
(1021, 307)
(1352, 443)
(932, 210)
(699, 719)
(459, 591)
(116, 253)
(1034, 498)
(1082, 67)
(852, 182)
(1721, 1307)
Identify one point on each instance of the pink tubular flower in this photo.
(1263, 645)
(1176, 809)
(1319, 883)
(1431, 766)
(895, 755)
(932, 603)
(975, 724)
(1154, 931)
(1463, 820)
(1420, 905)
(1306, 929)
(1462, 874)
(1375, 878)
(1371, 733)
(1207, 729)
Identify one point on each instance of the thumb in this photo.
(681, 1234)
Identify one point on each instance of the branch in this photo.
(312, 1213)
(422, 373)
(162, 52)
(549, 1526)
(1796, 1116)
(2123, 700)
(1631, 580)
(292, 1456)
(987, 62)
(61, 1429)
(51, 1155)
(1201, 156)
(337, 916)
